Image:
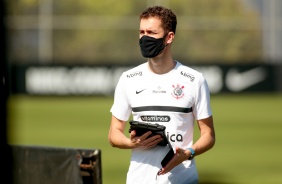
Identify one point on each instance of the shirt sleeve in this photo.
(121, 108)
(202, 108)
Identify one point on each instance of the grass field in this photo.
(248, 131)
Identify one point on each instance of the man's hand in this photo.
(180, 156)
(144, 141)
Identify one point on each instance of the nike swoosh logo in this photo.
(239, 81)
(137, 92)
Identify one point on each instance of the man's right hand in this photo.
(144, 141)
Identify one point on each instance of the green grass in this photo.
(248, 131)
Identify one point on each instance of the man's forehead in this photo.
(150, 23)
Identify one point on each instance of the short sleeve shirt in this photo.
(175, 99)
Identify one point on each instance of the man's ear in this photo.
(170, 37)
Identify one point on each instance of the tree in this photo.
(99, 31)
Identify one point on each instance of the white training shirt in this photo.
(175, 99)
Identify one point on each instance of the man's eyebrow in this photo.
(149, 30)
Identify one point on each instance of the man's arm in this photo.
(116, 135)
(207, 136)
(117, 138)
(203, 144)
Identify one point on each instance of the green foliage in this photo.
(99, 31)
(218, 31)
(248, 132)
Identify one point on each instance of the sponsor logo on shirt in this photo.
(159, 90)
(174, 137)
(134, 74)
(177, 91)
(190, 76)
(155, 118)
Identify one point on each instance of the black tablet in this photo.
(142, 127)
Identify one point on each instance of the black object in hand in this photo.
(156, 129)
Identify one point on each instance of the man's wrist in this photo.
(192, 151)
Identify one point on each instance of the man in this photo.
(166, 92)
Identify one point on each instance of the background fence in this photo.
(106, 32)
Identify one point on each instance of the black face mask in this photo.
(151, 47)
